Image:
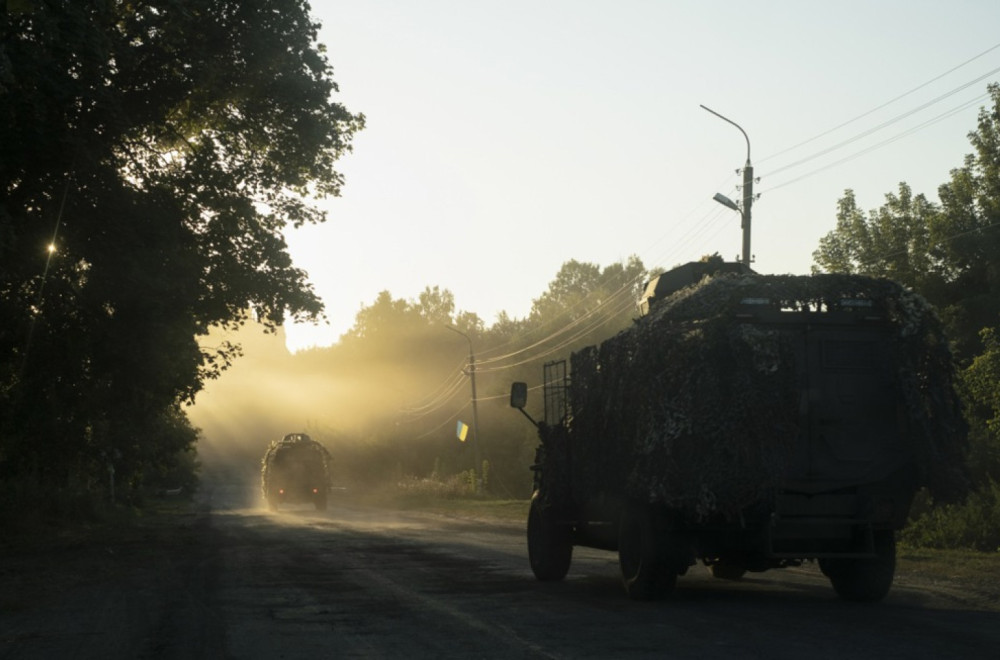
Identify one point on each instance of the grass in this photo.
(480, 509)
(959, 565)
(468, 506)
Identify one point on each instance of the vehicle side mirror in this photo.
(518, 394)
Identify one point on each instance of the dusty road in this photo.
(238, 582)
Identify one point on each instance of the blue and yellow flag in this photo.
(462, 430)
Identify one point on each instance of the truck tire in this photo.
(550, 547)
(864, 580)
(642, 556)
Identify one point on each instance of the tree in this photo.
(161, 149)
(570, 295)
(967, 234)
(385, 316)
(893, 241)
(581, 289)
(437, 306)
(981, 380)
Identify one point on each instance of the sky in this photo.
(504, 139)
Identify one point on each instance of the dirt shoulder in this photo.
(972, 578)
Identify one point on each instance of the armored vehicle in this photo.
(748, 422)
(296, 470)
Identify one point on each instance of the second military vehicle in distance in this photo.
(296, 470)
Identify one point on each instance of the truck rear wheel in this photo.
(642, 555)
(864, 580)
(550, 548)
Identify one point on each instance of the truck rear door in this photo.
(849, 405)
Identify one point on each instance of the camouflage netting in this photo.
(299, 443)
(690, 409)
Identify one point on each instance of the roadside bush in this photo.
(462, 484)
(973, 524)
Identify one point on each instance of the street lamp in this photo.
(725, 201)
(477, 468)
(747, 192)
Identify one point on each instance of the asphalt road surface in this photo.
(356, 582)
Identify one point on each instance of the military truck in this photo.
(295, 470)
(749, 422)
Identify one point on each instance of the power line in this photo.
(440, 426)
(616, 303)
(569, 341)
(898, 136)
(885, 124)
(564, 329)
(694, 231)
(887, 103)
(432, 407)
(446, 386)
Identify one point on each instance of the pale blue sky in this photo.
(506, 138)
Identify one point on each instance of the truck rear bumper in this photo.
(799, 526)
(817, 538)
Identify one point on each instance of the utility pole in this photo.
(747, 191)
(478, 467)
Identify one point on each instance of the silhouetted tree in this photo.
(160, 149)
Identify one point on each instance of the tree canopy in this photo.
(150, 156)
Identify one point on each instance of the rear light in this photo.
(315, 490)
(281, 491)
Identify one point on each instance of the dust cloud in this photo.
(353, 399)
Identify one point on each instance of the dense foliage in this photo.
(150, 155)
